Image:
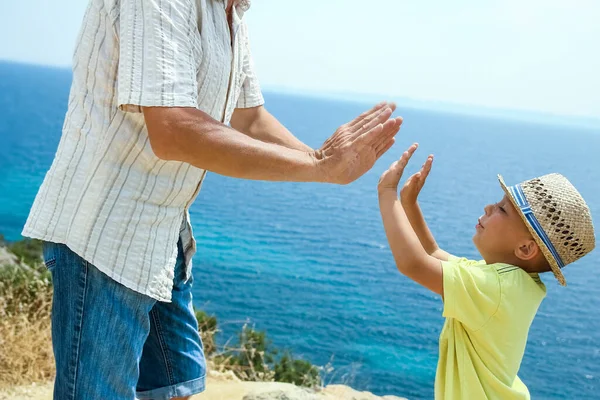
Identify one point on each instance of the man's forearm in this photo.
(261, 125)
(404, 242)
(205, 143)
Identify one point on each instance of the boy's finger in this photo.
(392, 167)
(427, 166)
(409, 181)
(405, 158)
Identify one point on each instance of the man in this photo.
(155, 85)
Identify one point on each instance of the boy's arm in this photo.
(408, 197)
(417, 221)
(411, 258)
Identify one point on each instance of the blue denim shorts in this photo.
(111, 342)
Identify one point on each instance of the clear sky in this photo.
(539, 55)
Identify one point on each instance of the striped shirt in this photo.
(107, 196)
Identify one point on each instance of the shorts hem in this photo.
(182, 389)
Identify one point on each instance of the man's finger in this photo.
(388, 132)
(366, 114)
(369, 116)
(380, 133)
(373, 119)
(351, 132)
(380, 118)
(382, 150)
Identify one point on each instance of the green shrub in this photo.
(299, 372)
(253, 358)
(207, 326)
(28, 251)
(25, 289)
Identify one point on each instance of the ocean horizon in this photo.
(309, 263)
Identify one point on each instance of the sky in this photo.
(528, 55)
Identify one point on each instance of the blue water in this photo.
(310, 264)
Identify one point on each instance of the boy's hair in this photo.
(557, 217)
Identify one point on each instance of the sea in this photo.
(309, 263)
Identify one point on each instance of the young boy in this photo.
(540, 225)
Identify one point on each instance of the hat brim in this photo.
(547, 254)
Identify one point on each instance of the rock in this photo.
(341, 392)
(228, 376)
(291, 394)
(331, 392)
(7, 258)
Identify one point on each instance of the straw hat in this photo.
(557, 217)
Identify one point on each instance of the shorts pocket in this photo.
(50, 255)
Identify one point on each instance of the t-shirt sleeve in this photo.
(471, 291)
(250, 93)
(159, 50)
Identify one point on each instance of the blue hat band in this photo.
(519, 197)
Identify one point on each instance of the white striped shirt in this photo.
(106, 195)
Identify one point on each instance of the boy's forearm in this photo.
(404, 242)
(419, 225)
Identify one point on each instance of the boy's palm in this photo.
(390, 178)
(413, 185)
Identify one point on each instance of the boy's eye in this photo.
(502, 209)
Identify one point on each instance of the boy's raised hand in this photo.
(390, 178)
(413, 185)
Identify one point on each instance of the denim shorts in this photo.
(111, 342)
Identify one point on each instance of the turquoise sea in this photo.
(310, 264)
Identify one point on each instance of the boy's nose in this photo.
(487, 209)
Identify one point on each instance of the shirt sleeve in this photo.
(250, 93)
(471, 291)
(159, 50)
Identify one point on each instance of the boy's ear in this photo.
(527, 250)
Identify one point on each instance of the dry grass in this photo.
(25, 338)
(26, 354)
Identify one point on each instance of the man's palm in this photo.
(355, 147)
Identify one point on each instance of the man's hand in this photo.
(355, 147)
(389, 179)
(189, 135)
(413, 185)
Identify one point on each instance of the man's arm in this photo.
(408, 197)
(259, 124)
(411, 258)
(192, 136)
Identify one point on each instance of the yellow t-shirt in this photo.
(488, 311)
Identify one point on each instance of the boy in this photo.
(540, 225)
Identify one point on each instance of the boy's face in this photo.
(500, 232)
